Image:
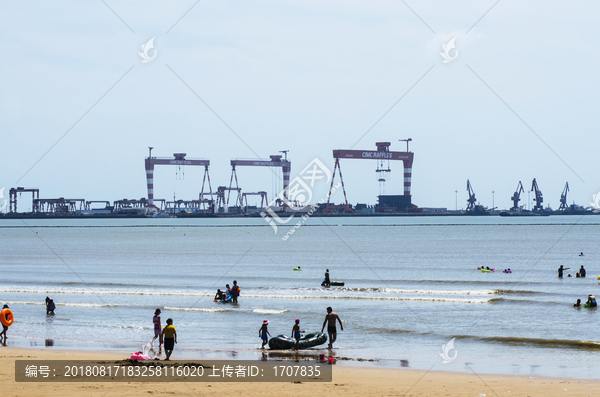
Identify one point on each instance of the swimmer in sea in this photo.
(592, 301)
(296, 334)
(330, 319)
(582, 271)
(578, 304)
(219, 295)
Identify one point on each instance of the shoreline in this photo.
(365, 380)
(119, 352)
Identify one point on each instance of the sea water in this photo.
(411, 287)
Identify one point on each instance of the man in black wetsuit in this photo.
(582, 272)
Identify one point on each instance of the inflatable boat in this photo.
(284, 342)
(334, 283)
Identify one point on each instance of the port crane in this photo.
(517, 197)
(538, 196)
(563, 198)
(471, 200)
(13, 198)
(178, 159)
(274, 161)
(382, 154)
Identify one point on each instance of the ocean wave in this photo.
(538, 342)
(199, 309)
(268, 311)
(98, 292)
(62, 304)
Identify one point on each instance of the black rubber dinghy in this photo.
(284, 342)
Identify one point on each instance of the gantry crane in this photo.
(178, 159)
(539, 199)
(563, 198)
(517, 197)
(382, 154)
(274, 161)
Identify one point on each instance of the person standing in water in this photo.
(263, 333)
(296, 334)
(157, 328)
(330, 319)
(582, 272)
(235, 292)
(327, 280)
(50, 306)
(561, 269)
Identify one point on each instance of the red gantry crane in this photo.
(275, 161)
(35, 193)
(382, 153)
(178, 159)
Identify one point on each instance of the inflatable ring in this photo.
(6, 317)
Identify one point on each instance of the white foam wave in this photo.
(441, 292)
(62, 304)
(98, 292)
(198, 309)
(267, 311)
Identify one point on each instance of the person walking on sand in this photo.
(327, 280)
(330, 319)
(263, 333)
(157, 329)
(170, 338)
(235, 292)
(296, 334)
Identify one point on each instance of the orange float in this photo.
(6, 317)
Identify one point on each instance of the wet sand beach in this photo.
(364, 381)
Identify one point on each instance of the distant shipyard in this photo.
(232, 201)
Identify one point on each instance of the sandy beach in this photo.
(346, 381)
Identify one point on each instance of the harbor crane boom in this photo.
(471, 200)
(517, 197)
(539, 199)
(563, 198)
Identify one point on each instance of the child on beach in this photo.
(157, 329)
(263, 332)
(170, 338)
(296, 333)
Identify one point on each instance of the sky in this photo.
(247, 79)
